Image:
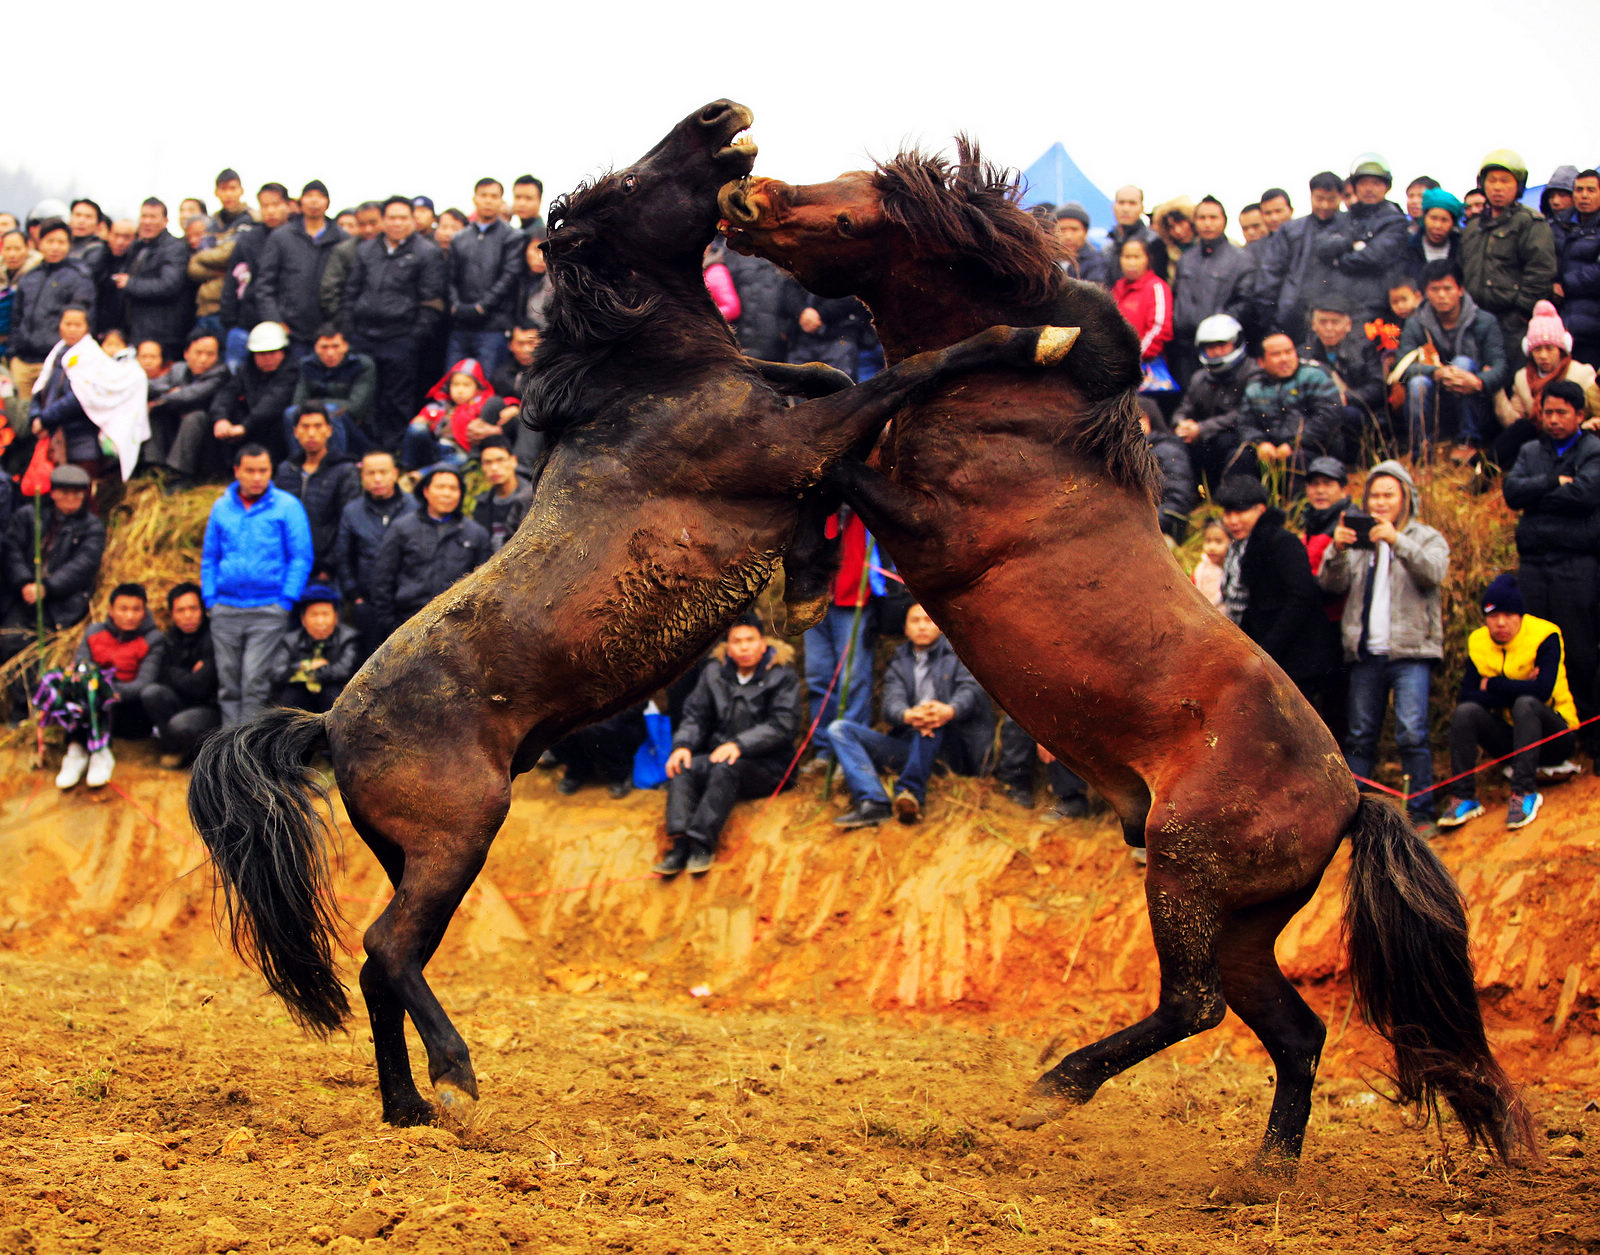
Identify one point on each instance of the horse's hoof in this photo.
(409, 1115)
(1277, 1164)
(801, 616)
(1054, 344)
(455, 1102)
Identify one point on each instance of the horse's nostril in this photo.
(713, 114)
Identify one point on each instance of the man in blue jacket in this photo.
(253, 568)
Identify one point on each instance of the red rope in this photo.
(1493, 762)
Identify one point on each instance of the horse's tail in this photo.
(253, 800)
(1405, 925)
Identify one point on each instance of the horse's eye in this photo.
(630, 184)
(846, 227)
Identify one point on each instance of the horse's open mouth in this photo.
(741, 146)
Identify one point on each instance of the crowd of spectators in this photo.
(346, 372)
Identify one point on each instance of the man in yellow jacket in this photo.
(1514, 693)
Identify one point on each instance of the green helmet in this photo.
(1371, 164)
(1510, 162)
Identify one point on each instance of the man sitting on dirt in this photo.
(1514, 693)
(934, 709)
(734, 740)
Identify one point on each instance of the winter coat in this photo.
(131, 659)
(178, 673)
(1146, 303)
(761, 716)
(156, 301)
(1294, 275)
(420, 558)
(1178, 496)
(91, 256)
(532, 306)
(296, 647)
(1356, 361)
(255, 557)
(57, 408)
(1415, 259)
(953, 684)
(1215, 398)
(180, 391)
(363, 524)
(330, 288)
(256, 400)
(1302, 411)
(719, 282)
(1476, 335)
(392, 295)
(502, 515)
(760, 324)
(483, 268)
(1520, 404)
(8, 297)
(36, 304)
(1558, 519)
(1283, 610)
(324, 496)
(73, 546)
(1580, 277)
(1417, 569)
(1213, 278)
(241, 290)
(1366, 247)
(353, 383)
(289, 279)
(209, 265)
(1509, 262)
(447, 420)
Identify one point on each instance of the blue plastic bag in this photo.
(650, 762)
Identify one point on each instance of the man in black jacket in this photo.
(186, 387)
(501, 509)
(1555, 486)
(734, 740)
(182, 702)
(289, 279)
(1293, 272)
(1268, 588)
(393, 300)
(324, 481)
(241, 289)
(1354, 363)
(1128, 208)
(934, 709)
(1207, 419)
(1213, 278)
(36, 307)
(483, 265)
(246, 409)
(153, 278)
(362, 527)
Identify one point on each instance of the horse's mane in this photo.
(967, 212)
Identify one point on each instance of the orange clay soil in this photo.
(878, 1004)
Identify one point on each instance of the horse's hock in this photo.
(981, 914)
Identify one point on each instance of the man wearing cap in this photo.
(1513, 693)
(1213, 278)
(1354, 363)
(247, 408)
(422, 214)
(74, 541)
(289, 278)
(1555, 486)
(1083, 260)
(1368, 241)
(1508, 255)
(253, 568)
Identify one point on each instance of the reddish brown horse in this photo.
(1019, 509)
(669, 498)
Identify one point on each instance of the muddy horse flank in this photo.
(669, 497)
(1019, 508)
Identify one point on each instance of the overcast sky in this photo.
(427, 99)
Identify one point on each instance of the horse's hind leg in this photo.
(1292, 1032)
(1185, 927)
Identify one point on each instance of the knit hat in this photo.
(1546, 327)
(1241, 492)
(69, 476)
(1503, 595)
(315, 593)
(1438, 198)
(1074, 211)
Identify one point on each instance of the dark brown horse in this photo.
(1019, 509)
(669, 498)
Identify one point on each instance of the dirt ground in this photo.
(838, 1090)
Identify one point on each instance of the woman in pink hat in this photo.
(1548, 346)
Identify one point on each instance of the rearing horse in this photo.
(669, 497)
(1019, 509)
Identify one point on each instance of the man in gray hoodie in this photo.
(1391, 565)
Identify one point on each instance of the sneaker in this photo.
(864, 815)
(700, 856)
(907, 807)
(1524, 807)
(1459, 810)
(1558, 771)
(100, 764)
(72, 766)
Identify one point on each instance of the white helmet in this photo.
(266, 337)
(1220, 329)
(48, 208)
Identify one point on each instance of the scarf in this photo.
(1536, 381)
(1235, 596)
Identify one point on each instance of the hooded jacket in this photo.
(36, 304)
(420, 557)
(363, 524)
(1509, 261)
(393, 294)
(1146, 303)
(483, 265)
(445, 418)
(156, 302)
(73, 547)
(761, 716)
(1476, 335)
(288, 282)
(1420, 559)
(1557, 520)
(256, 557)
(133, 659)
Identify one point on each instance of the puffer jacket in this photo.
(156, 301)
(761, 717)
(1213, 278)
(73, 547)
(1367, 247)
(362, 526)
(133, 659)
(288, 283)
(1302, 410)
(391, 295)
(256, 557)
(483, 267)
(760, 324)
(1580, 277)
(1416, 571)
(36, 304)
(421, 557)
(1178, 496)
(324, 496)
(1509, 262)
(1557, 519)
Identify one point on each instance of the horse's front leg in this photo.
(885, 507)
(803, 379)
(811, 562)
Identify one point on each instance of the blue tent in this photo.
(1055, 177)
